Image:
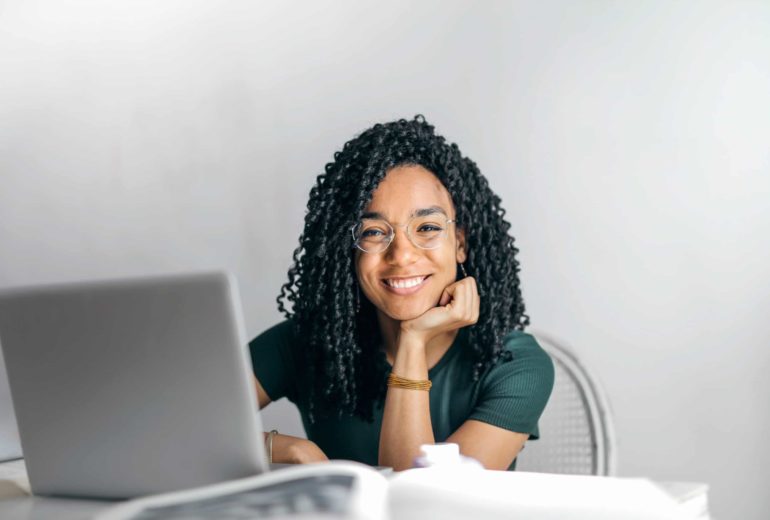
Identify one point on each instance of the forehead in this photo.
(406, 189)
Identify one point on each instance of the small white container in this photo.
(444, 454)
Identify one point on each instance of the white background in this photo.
(629, 141)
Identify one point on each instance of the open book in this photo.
(350, 490)
(335, 490)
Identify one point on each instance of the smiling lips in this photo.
(405, 286)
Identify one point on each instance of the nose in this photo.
(401, 251)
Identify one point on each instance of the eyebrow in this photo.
(423, 212)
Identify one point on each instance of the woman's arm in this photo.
(288, 449)
(494, 447)
(295, 450)
(406, 420)
(262, 398)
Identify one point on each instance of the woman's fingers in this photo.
(458, 307)
(446, 297)
(450, 295)
(463, 300)
(472, 303)
(470, 289)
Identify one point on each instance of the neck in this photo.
(391, 330)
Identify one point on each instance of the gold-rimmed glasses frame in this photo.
(381, 233)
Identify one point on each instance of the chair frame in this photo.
(595, 399)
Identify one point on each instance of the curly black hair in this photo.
(342, 341)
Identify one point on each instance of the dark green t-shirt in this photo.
(511, 395)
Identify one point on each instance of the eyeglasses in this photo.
(425, 232)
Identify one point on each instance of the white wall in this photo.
(628, 140)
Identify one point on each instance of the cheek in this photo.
(445, 262)
(366, 268)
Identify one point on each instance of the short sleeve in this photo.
(514, 393)
(272, 360)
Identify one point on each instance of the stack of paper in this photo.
(13, 479)
(449, 494)
(691, 498)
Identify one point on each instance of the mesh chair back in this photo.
(576, 431)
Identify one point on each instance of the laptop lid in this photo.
(129, 387)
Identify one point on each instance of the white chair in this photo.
(576, 430)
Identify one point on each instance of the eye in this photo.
(428, 228)
(372, 232)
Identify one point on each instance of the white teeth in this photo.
(405, 283)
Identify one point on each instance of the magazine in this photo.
(354, 491)
(334, 489)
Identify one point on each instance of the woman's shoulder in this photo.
(514, 392)
(274, 361)
(281, 333)
(519, 341)
(281, 340)
(526, 362)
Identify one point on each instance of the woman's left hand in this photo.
(458, 307)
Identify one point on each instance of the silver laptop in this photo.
(130, 387)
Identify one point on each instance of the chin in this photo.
(404, 316)
(409, 312)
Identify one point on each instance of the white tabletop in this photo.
(16, 502)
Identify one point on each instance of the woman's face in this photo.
(405, 281)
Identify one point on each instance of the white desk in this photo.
(17, 504)
(29, 508)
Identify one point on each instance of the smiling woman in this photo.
(406, 320)
(419, 262)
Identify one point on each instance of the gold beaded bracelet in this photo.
(409, 384)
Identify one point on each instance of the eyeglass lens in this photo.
(374, 235)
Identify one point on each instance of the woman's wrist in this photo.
(411, 360)
(295, 450)
(412, 340)
(305, 452)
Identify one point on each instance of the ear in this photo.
(460, 251)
